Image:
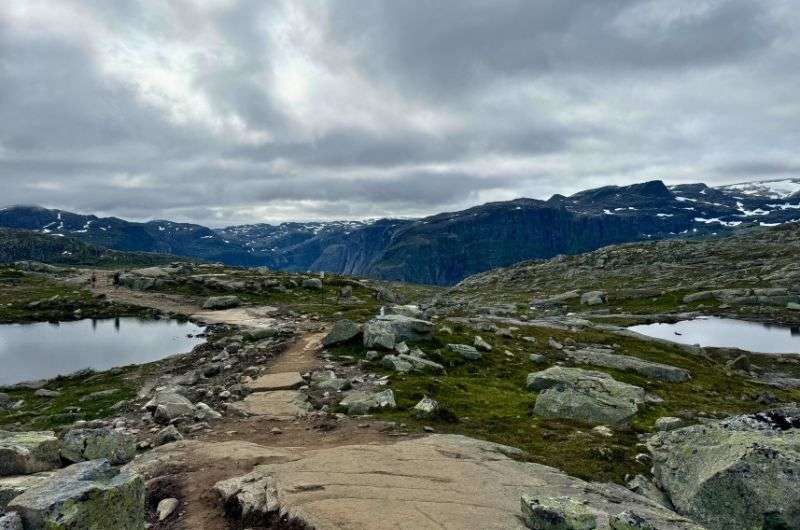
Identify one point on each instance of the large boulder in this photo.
(221, 302)
(608, 359)
(435, 482)
(358, 402)
(343, 331)
(312, 283)
(88, 495)
(587, 396)
(385, 331)
(23, 453)
(93, 444)
(741, 473)
(167, 404)
(594, 298)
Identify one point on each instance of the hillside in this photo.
(22, 245)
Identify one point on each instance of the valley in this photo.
(297, 369)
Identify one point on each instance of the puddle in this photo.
(44, 350)
(727, 333)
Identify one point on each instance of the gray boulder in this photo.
(359, 403)
(168, 434)
(558, 513)
(221, 302)
(343, 331)
(393, 362)
(418, 363)
(5, 401)
(668, 423)
(741, 473)
(168, 405)
(312, 283)
(594, 298)
(481, 344)
(590, 397)
(379, 334)
(385, 331)
(88, 495)
(93, 444)
(426, 408)
(23, 453)
(466, 351)
(608, 359)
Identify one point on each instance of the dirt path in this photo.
(301, 356)
(164, 302)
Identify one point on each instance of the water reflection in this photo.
(727, 333)
(44, 350)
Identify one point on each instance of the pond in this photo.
(727, 333)
(44, 350)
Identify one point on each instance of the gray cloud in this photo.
(226, 111)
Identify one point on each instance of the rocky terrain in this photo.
(445, 248)
(516, 399)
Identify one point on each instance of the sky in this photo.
(223, 112)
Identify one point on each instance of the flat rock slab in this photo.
(11, 487)
(608, 359)
(438, 482)
(280, 381)
(276, 405)
(256, 317)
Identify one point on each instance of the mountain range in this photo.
(442, 249)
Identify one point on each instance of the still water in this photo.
(44, 350)
(727, 333)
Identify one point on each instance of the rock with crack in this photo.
(735, 474)
(93, 444)
(278, 405)
(608, 359)
(343, 331)
(359, 402)
(430, 483)
(590, 397)
(395, 363)
(279, 381)
(23, 453)
(86, 495)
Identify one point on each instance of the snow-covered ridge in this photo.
(773, 189)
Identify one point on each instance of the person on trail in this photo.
(94, 279)
(115, 279)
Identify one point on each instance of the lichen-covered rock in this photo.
(629, 520)
(421, 364)
(23, 453)
(668, 423)
(221, 302)
(359, 402)
(594, 298)
(591, 397)
(379, 334)
(741, 473)
(93, 444)
(88, 495)
(557, 513)
(426, 408)
(466, 351)
(343, 331)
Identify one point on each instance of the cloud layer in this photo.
(225, 111)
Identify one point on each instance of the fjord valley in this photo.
(445, 248)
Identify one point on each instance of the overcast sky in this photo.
(224, 111)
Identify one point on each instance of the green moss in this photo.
(487, 398)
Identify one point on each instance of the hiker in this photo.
(115, 279)
(94, 279)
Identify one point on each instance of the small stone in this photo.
(166, 507)
(481, 344)
(668, 423)
(426, 407)
(469, 353)
(43, 392)
(536, 358)
(555, 344)
(602, 430)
